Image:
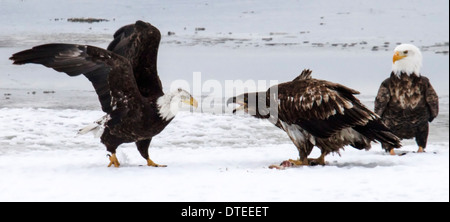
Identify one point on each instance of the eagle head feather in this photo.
(407, 59)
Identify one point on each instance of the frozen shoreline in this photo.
(344, 24)
(210, 158)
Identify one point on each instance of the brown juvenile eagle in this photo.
(318, 113)
(406, 101)
(126, 81)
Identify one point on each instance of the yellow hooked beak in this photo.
(191, 102)
(397, 56)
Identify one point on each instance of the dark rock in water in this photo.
(170, 33)
(200, 29)
(87, 20)
(442, 52)
(317, 44)
(48, 92)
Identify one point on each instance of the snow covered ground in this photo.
(213, 155)
(210, 157)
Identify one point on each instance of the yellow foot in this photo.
(153, 164)
(113, 160)
(392, 152)
(315, 162)
(421, 150)
(318, 161)
(289, 163)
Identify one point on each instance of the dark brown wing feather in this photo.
(121, 43)
(409, 96)
(324, 108)
(318, 107)
(73, 60)
(306, 74)
(110, 74)
(139, 43)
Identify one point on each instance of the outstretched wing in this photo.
(139, 43)
(110, 74)
(323, 108)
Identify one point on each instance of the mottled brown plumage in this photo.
(125, 79)
(406, 104)
(406, 101)
(318, 113)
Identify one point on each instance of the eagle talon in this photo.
(318, 161)
(289, 163)
(421, 150)
(297, 162)
(113, 160)
(153, 164)
(393, 153)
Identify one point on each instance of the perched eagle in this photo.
(318, 113)
(126, 81)
(406, 101)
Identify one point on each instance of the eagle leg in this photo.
(142, 146)
(389, 149)
(113, 160)
(318, 161)
(420, 150)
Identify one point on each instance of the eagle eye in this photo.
(405, 52)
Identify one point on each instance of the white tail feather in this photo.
(96, 127)
(87, 129)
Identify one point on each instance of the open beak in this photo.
(397, 57)
(242, 104)
(191, 102)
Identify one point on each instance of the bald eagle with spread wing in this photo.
(406, 101)
(126, 81)
(318, 113)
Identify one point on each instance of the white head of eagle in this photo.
(169, 104)
(407, 59)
